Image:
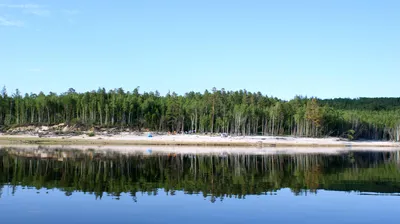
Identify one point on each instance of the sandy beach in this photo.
(192, 140)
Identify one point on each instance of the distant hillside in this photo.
(364, 103)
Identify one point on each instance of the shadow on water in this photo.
(216, 176)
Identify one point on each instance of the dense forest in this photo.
(215, 176)
(216, 111)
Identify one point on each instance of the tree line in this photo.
(216, 111)
(215, 176)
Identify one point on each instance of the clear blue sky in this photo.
(329, 48)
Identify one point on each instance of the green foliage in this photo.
(91, 134)
(350, 134)
(363, 103)
(234, 112)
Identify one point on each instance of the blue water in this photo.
(52, 206)
(87, 186)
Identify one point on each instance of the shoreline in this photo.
(127, 139)
(49, 151)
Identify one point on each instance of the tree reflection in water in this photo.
(217, 176)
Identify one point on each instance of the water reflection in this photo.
(214, 176)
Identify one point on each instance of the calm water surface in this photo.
(86, 186)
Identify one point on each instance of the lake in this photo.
(64, 185)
